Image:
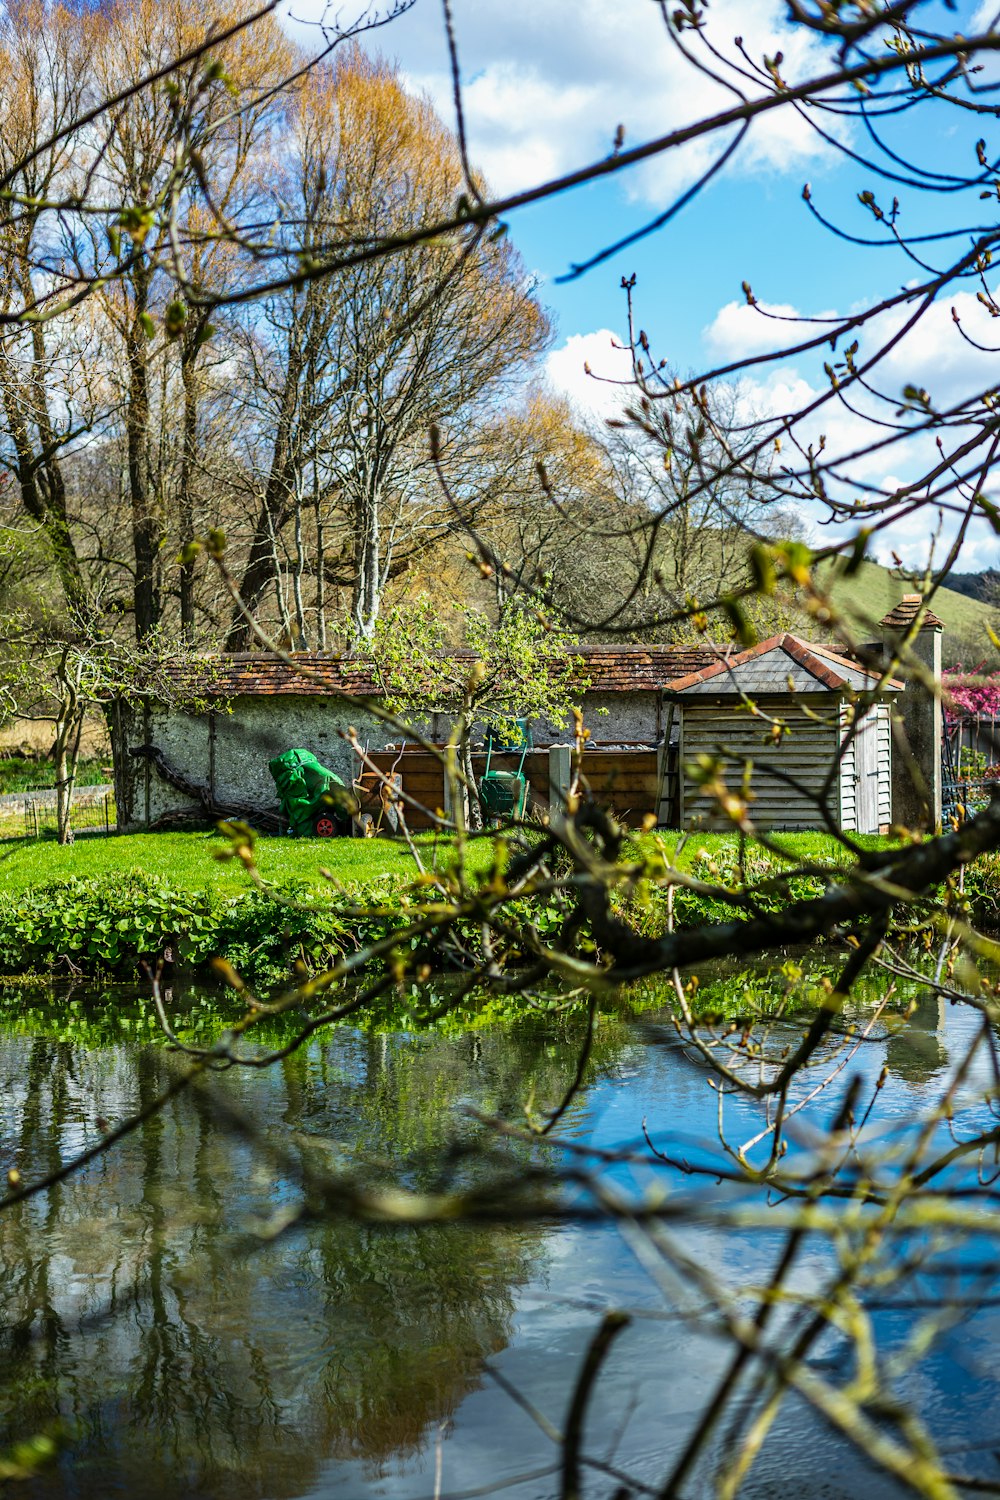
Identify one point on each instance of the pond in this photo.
(160, 1321)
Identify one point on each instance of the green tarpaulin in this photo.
(313, 798)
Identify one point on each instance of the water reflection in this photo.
(185, 1362)
(916, 1049)
(187, 1359)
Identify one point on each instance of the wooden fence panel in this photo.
(628, 781)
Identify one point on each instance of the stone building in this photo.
(208, 750)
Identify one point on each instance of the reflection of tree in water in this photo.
(915, 1048)
(224, 1366)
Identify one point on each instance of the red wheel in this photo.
(325, 828)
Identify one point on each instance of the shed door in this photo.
(866, 774)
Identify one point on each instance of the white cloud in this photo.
(932, 355)
(547, 82)
(602, 392)
(738, 330)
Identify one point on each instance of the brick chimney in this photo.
(917, 727)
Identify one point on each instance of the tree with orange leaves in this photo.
(359, 363)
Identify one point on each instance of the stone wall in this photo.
(227, 750)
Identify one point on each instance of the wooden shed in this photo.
(731, 708)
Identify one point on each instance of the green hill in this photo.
(873, 590)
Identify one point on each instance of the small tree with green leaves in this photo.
(519, 666)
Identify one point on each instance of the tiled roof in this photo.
(640, 669)
(610, 669)
(255, 674)
(851, 663)
(825, 667)
(905, 612)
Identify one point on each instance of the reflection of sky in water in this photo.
(324, 1364)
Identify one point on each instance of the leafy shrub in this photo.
(114, 924)
(982, 891)
(646, 907)
(110, 923)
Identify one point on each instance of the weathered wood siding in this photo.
(884, 712)
(423, 779)
(848, 781)
(721, 726)
(627, 781)
(850, 810)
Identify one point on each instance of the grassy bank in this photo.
(187, 860)
(106, 906)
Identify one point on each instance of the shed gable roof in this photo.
(780, 664)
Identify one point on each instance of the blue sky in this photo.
(546, 84)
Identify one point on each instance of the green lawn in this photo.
(186, 859)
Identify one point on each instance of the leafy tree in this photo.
(520, 666)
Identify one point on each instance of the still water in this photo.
(182, 1353)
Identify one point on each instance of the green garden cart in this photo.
(504, 794)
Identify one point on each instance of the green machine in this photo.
(313, 799)
(504, 794)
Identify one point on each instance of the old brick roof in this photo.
(611, 669)
(905, 612)
(255, 674)
(640, 669)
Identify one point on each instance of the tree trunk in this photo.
(320, 563)
(189, 380)
(367, 547)
(146, 531)
(274, 513)
(474, 803)
(69, 728)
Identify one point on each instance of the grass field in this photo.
(873, 590)
(186, 859)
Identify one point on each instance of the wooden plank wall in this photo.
(884, 766)
(848, 782)
(628, 781)
(804, 754)
(848, 769)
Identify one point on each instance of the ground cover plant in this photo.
(121, 906)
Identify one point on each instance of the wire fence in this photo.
(970, 763)
(32, 815)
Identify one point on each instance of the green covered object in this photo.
(313, 798)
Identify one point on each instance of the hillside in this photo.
(873, 590)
